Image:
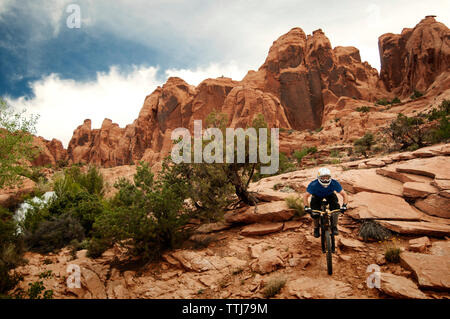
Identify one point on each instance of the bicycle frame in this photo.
(327, 237)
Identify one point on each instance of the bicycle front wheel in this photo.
(329, 252)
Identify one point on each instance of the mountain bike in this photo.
(326, 235)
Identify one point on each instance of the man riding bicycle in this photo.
(324, 187)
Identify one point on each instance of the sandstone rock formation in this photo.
(414, 59)
(304, 84)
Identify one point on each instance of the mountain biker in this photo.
(324, 187)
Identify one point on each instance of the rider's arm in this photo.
(306, 197)
(344, 196)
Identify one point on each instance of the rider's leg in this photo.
(334, 204)
(315, 204)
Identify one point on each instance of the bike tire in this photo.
(322, 239)
(329, 253)
(333, 244)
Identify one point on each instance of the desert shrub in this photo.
(11, 251)
(371, 230)
(335, 161)
(97, 246)
(54, 234)
(396, 100)
(317, 130)
(407, 131)
(78, 194)
(382, 101)
(441, 133)
(149, 213)
(335, 153)
(416, 94)
(363, 109)
(273, 287)
(296, 203)
(392, 254)
(442, 111)
(303, 152)
(364, 144)
(36, 290)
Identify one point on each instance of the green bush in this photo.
(97, 246)
(416, 94)
(442, 132)
(54, 234)
(392, 254)
(396, 100)
(36, 290)
(335, 153)
(363, 109)
(303, 152)
(149, 213)
(382, 101)
(407, 131)
(364, 144)
(77, 194)
(11, 251)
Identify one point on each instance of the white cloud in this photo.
(64, 104)
(213, 70)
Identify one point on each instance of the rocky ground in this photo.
(407, 193)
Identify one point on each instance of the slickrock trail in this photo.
(241, 254)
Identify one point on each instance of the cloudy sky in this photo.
(124, 49)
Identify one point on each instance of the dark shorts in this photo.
(331, 199)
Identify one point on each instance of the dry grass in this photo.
(273, 287)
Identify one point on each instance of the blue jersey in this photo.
(316, 189)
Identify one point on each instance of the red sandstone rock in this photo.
(413, 59)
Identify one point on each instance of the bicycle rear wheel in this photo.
(329, 253)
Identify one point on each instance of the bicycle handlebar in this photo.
(329, 212)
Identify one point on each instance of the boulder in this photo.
(421, 153)
(391, 172)
(417, 228)
(369, 181)
(441, 184)
(435, 205)
(431, 271)
(212, 227)
(269, 212)
(92, 287)
(380, 206)
(348, 243)
(434, 167)
(399, 287)
(417, 190)
(261, 229)
(257, 250)
(375, 163)
(293, 224)
(268, 261)
(440, 248)
(193, 261)
(419, 244)
(269, 195)
(318, 287)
